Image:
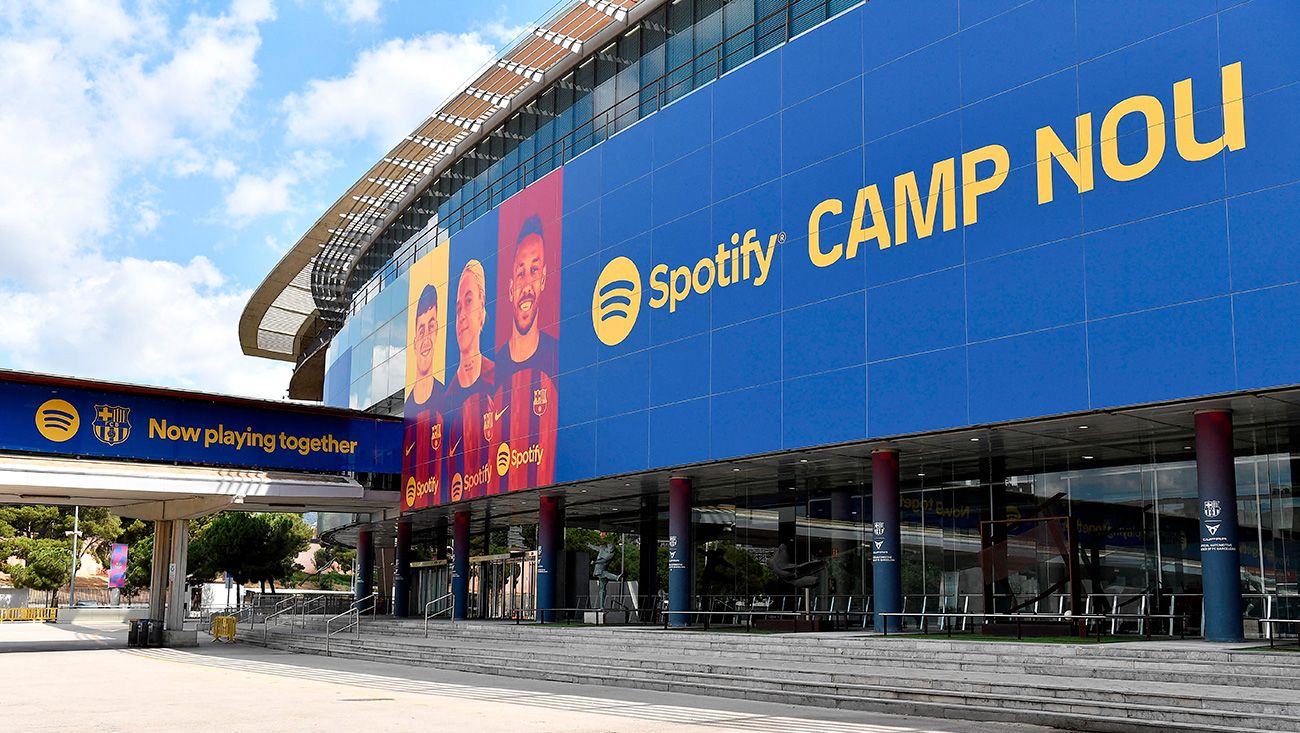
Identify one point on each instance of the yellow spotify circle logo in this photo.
(57, 420)
(616, 301)
(503, 459)
(457, 487)
(410, 491)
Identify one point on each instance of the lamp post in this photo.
(75, 534)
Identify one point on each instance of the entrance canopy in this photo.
(166, 454)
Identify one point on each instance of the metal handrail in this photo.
(305, 607)
(434, 614)
(355, 612)
(266, 622)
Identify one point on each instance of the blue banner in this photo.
(137, 425)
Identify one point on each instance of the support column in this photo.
(460, 567)
(550, 555)
(648, 573)
(365, 565)
(402, 569)
(1216, 484)
(681, 551)
(886, 569)
(180, 543)
(162, 548)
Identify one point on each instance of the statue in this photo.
(600, 570)
(803, 575)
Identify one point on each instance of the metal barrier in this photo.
(223, 626)
(29, 614)
(353, 616)
(1280, 622)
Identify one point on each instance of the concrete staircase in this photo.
(1161, 686)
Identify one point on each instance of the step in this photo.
(1109, 666)
(1154, 693)
(1074, 714)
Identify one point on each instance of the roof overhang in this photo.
(285, 307)
(151, 491)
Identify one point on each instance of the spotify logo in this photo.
(57, 420)
(616, 301)
(412, 491)
(457, 487)
(503, 459)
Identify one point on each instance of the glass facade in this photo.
(759, 545)
(675, 49)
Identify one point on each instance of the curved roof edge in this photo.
(282, 310)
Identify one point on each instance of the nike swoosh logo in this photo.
(502, 412)
(455, 446)
(408, 448)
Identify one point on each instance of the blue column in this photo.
(886, 570)
(402, 569)
(365, 565)
(1216, 484)
(681, 554)
(460, 567)
(550, 554)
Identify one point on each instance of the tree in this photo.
(98, 526)
(46, 566)
(139, 564)
(327, 557)
(253, 548)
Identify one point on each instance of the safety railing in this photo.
(29, 614)
(289, 608)
(1021, 619)
(351, 619)
(811, 618)
(429, 613)
(310, 606)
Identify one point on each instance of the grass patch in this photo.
(1284, 647)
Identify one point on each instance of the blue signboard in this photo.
(902, 221)
(137, 425)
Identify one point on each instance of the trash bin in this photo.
(145, 632)
(155, 632)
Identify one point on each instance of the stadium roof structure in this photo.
(284, 312)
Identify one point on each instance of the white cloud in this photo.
(98, 98)
(224, 169)
(254, 195)
(354, 11)
(388, 91)
(136, 320)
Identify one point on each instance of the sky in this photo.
(157, 158)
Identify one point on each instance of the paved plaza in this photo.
(61, 678)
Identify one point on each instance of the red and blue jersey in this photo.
(532, 404)
(473, 433)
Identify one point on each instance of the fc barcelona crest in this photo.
(112, 424)
(489, 421)
(435, 436)
(540, 398)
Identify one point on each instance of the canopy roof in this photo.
(284, 311)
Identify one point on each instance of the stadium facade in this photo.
(867, 307)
